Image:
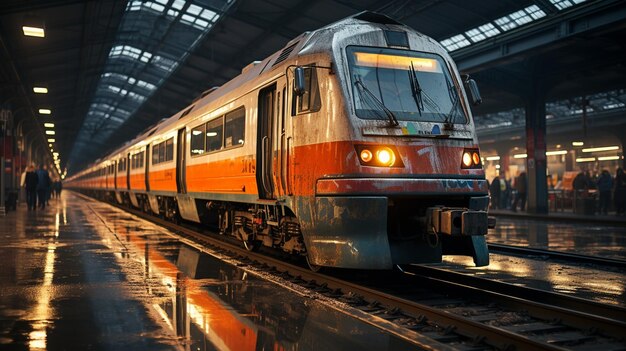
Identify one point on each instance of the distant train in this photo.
(353, 146)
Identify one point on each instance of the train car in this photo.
(353, 146)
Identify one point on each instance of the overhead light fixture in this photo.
(520, 156)
(601, 149)
(577, 143)
(51, 140)
(45, 111)
(40, 90)
(33, 26)
(50, 132)
(557, 152)
(48, 125)
(493, 158)
(33, 31)
(585, 159)
(608, 158)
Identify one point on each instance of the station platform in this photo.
(83, 275)
(594, 235)
(564, 215)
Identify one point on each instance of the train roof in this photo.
(255, 69)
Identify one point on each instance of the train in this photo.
(352, 147)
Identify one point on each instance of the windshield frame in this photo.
(461, 117)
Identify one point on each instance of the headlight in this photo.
(467, 159)
(476, 158)
(366, 155)
(378, 155)
(471, 159)
(386, 157)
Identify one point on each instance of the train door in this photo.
(147, 169)
(283, 144)
(181, 163)
(265, 142)
(128, 171)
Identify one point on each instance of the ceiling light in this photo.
(40, 90)
(50, 132)
(608, 158)
(45, 111)
(56, 154)
(577, 143)
(586, 159)
(557, 152)
(520, 156)
(493, 158)
(33, 31)
(600, 149)
(48, 125)
(51, 140)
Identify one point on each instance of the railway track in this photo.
(558, 255)
(438, 309)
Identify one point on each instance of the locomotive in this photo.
(353, 146)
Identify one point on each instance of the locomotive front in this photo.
(408, 184)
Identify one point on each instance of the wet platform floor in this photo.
(601, 284)
(81, 275)
(606, 240)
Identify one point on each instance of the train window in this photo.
(214, 134)
(140, 162)
(169, 149)
(234, 126)
(155, 154)
(310, 100)
(198, 135)
(161, 152)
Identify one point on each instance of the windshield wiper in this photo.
(393, 121)
(454, 97)
(416, 89)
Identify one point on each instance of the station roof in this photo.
(114, 67)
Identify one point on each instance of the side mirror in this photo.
(474, 94)
(299, 86)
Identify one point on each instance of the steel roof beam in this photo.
(520, 42)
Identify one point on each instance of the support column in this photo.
(535, 104)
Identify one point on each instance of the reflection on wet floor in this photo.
(214, 305)
(588, 239)
(81, 275)
(606, 286)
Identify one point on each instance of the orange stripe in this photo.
(226, 176)
(163, 180)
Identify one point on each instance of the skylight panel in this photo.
(134, 5)
(520, 17)
(164, 63)
(455, 42)
(135, 96)
(146, 85)
(155, 6)
(178, 4)
(563, 4)
(481, 33)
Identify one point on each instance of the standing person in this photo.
(505, 193)
(521, 187)
(58, 186)
(619, 194)
(494, 189)
(30, 183)
(49, 187)
(605, 184)
(43, 183)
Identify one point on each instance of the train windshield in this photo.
(403, 85)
